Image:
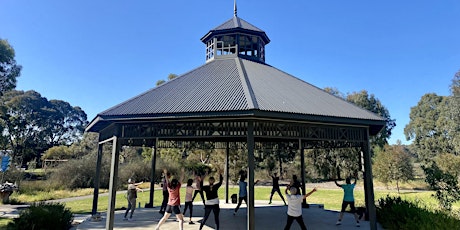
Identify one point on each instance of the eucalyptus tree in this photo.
(428, 126)
(33, 124)
(9, 70)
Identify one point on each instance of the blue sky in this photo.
(96, 54)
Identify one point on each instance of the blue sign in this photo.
(5, 163)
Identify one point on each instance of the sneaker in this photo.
(338, 222)
(270, 202)
(191, 222)
(124, 218)
(357, 224)
(234, 213)
(162, 212)
(130, 219)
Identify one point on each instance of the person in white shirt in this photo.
(295, 207)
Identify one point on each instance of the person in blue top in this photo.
(348, 199)
(243, 191)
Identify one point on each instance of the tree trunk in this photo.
(338, 173)
(281, 166)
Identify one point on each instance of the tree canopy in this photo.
(393, 163)
(32, 124)
(369, 102)
(9, 70)
(434, 123)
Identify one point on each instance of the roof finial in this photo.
(234, 9)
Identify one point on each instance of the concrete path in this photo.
(267, 217)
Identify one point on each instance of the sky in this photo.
(97, 54)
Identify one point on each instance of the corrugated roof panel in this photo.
(219, 86)
(214, 86)
(278, 91)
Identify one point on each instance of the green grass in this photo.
(4, 222)
(331, 198)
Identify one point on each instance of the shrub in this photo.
(136, 169)
(79, 173)
(395, 213)
(41, 216)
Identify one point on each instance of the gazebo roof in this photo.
(234, 86)
(236, 24)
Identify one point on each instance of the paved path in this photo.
(267, 217)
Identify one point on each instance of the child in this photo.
(199, 183)
(295, 207)
(188, 199)
(173, 202)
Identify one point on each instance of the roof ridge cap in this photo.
(250, 96)
(236, 21)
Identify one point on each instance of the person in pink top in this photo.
(173, 202)
(188, 199)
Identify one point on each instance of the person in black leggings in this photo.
(212, 201)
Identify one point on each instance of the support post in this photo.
(97, 179)
(113, 183)
(251, 210)
(227, 175)
(152, 181)
(302, 172)
(368, 183)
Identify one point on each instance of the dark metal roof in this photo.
(228, 85)
(236, 24)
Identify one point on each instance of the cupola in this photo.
(236, 37)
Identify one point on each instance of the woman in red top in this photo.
(173, 202)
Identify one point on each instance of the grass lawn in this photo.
(331, 198)
(4, 222)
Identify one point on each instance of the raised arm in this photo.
(308, 194)
(335, 181)
(165, 173)
(355, 181)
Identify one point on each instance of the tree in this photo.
(87, 145)
(33, 124)
(23, 115)
(448, 163)
(67, 123)
(160, 82)
(393, 163)
(445, 185)
(454, 130)
(335, 163)
(9, 70)
(60, 152)
(170, 77)
(369, 102)
(427, 126)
